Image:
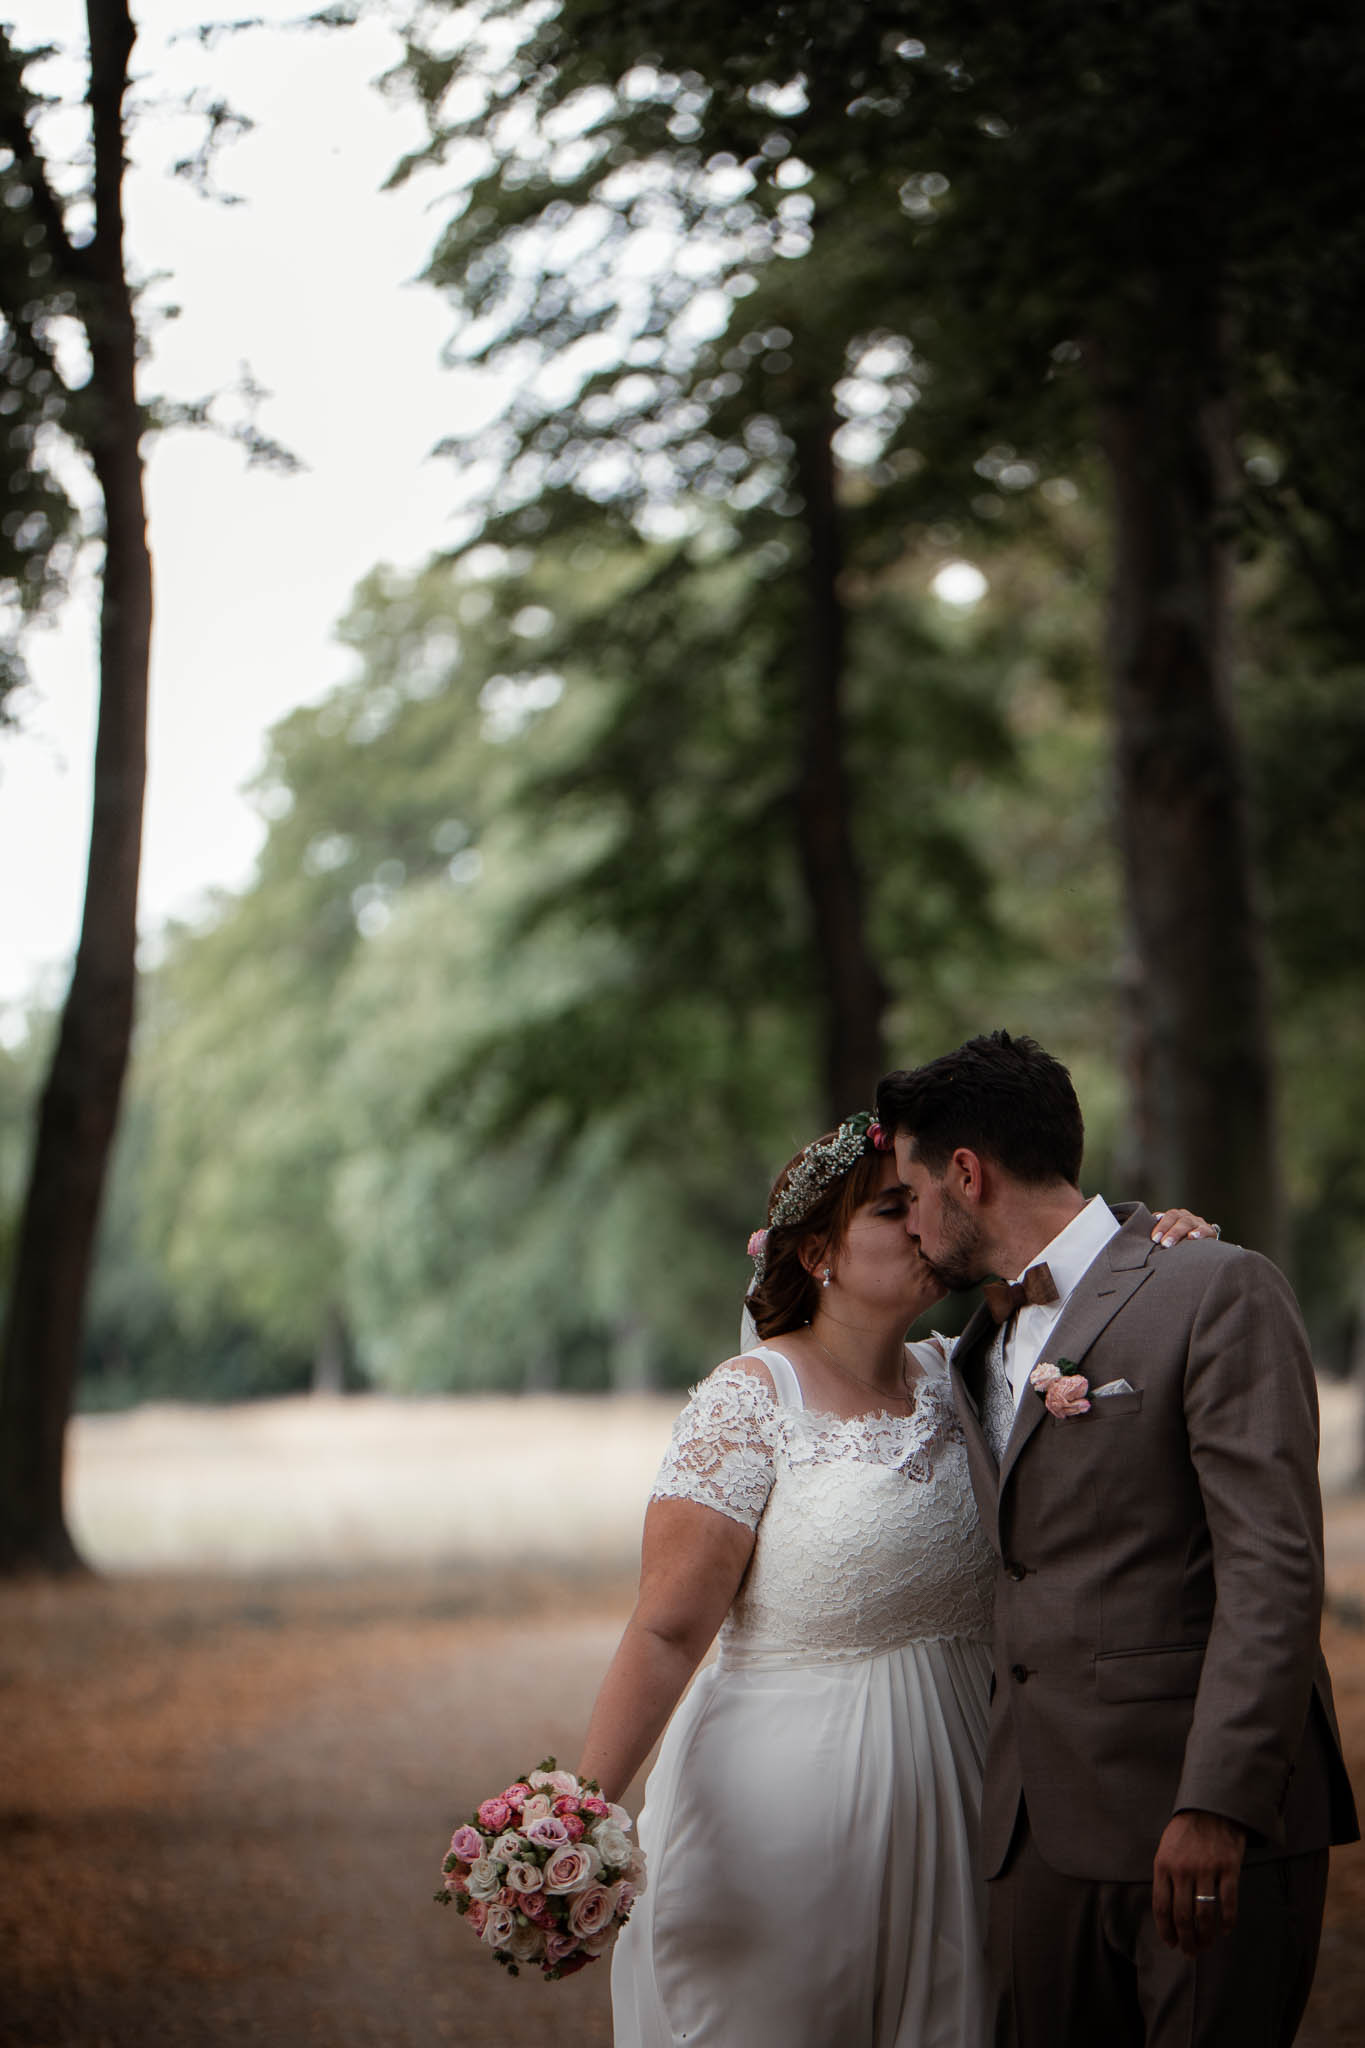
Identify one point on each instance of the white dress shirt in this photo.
(1068, 1256)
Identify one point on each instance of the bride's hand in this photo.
(1173, 1224)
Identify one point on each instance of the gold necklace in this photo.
(857, 1378)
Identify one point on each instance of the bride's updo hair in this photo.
(786, 1295)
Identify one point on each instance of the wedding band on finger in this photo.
(1206, 1898)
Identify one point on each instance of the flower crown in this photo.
(819, 1166)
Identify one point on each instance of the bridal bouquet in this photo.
(544, 1872)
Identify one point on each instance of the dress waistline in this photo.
(734, 1657)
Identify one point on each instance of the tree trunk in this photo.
(80, 1102)
(329, 1354)
(1197, 1044)
(854, 995)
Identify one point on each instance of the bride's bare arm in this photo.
(693, 1560)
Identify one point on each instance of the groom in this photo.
(1163, 1771)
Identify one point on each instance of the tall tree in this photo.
(40, 1347)
(720, 384)
(1105, 215)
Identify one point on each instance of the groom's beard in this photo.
(960, 1262)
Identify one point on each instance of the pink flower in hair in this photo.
(757, 1240)
(880, 1141)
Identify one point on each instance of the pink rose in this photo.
(537, 1907)
(497, 1928)
(564, 1802)
(1066, 1396)
(494, 1815)
(539, 1781)
(571, 1868)
(524, 1877)
(626, 1896)
(558, 1948)
(534, 1806)
(590, 1803)
(546, 1832)
(573, 1827)
(467, 1843)
(455, 1884)
(564, 1781)
(477, 1915)
(515, 1794)
(591, 1911)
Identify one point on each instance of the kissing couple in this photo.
(1019, 1730)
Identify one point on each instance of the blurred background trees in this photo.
(914, 590)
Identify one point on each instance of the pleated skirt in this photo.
(812, 1834)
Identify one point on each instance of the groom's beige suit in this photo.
(1160, 1581)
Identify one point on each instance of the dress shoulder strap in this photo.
(785, 1383)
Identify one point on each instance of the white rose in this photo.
(507, 1847)
(634, 1873)
(526, 1944)
(621, 1817)
(538, 1780)
(610, 1844)
(564, 1781)
(524, 1877)
(499, 1927)
(485, 1879)
(534, 1808)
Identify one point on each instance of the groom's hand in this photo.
(1194, 1880)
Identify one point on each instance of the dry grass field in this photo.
(320, 1630)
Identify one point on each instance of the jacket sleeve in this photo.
(1252, 1416)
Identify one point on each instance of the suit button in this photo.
(1019, 1672)
(1016, 1572)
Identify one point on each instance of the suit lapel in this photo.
(967, 1367)
(1102, 1290)
(969, 1358)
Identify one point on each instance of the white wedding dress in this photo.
(811, 1821)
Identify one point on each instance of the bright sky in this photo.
(309, 282)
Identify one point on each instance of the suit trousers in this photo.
(1075, 1963)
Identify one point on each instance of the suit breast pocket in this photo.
(1110, 1406)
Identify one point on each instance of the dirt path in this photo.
(223, 1805)
(225, 1809)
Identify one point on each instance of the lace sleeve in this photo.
(721, 1453)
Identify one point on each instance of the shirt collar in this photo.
(1076, 1248)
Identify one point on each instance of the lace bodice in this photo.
(866, 1530)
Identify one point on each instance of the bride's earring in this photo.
(825, 1281)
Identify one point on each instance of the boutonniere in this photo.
(1063, 1388)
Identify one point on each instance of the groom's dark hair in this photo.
(1000, 1096)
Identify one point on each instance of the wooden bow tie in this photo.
(1005, 1298)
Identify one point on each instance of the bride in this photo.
(810, 1823)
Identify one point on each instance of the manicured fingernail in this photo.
(1168, 1240)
